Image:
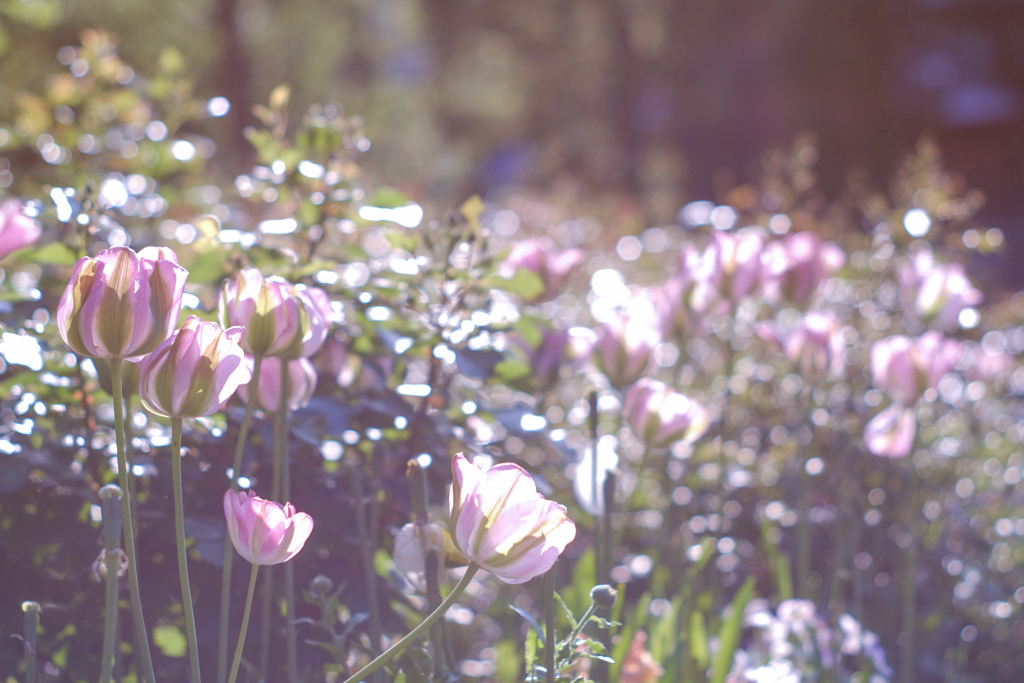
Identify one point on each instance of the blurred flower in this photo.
(625, 346)
(119, 305)
(499, 521)
(639, 665)
(16, 229)
(891, 433)
(195, 372)
(412, 543)
(545, 353)
(660, 416)
(815, 346)
(730, 269)
(262, 531)
(906, 367)
(552, 267)
(936, 291)
(280, 319)
(588, 482)
(159, 254)
(301, 383)
(797, 265)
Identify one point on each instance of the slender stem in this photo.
(179, 528)
(366, 555)
(245, 624)
(909, 584)
(229, 555)
(31, 610)
(265, 620)
(803, 548)
(550, 617)
(141, 634)
(395, 649)
(110, 617)
(286, 494)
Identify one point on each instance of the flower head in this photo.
(301, 383)
(906, 367)
(195, 372)
(120, 305)
(936, 291)
(730, 269)
(815, 346)
(891, 433)
(17, 230)
(661, 416)
(551, 266)
(499, 521)
(262, 531)
(626, 343)
(798, 264)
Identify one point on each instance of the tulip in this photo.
(730, 269)
(280, 319)
(545, 355)
(195, 372)
(119, 305)
(301, 383)
(500, 522)
(262, 531)
(159, 254)
(17, 230)
(552, 267)
(412, 543)
(815, 346)
(661, 416)
(936, 291)
(905, 368)
(625, 347)
(797, 265)
(891, 433)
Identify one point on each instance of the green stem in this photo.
(424, 625)
(245, 624)
(229, 555)
(909, 587)
(31, 610)
(803, 549)
(179, 528)
(141, 635)
(366, 555)
(112, 526)
(286, 494)
(550, 617)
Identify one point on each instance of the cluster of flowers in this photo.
(792, 644)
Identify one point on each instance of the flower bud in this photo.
(625, 346)
(545, 353)
(661, 416)
(815, 347)
(320, 587)
(499, 521)
(16, 229)
(195, 372)
(262, 531)
(552, 267)
(603, 595)
(936, 291)
(730, 269)
(891, 433)
(301, 383)
(906, 367)
(796, 266)
(119, 305)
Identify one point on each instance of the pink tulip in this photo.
(119, 305)
(545, 355)
(499, 521)
(730, 269)
(906, 367)
(159, 254)
(553, 267)
(936, 291)
(301, 382)
(262, 531)
(16, 229)
(280, 319)
(661, 416)
(797, 265)
(625, 347)
(815, 346)
(891, 433)
(195, 372)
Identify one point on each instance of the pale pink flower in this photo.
(301, 383)
(545, 351)
(660, 416)
(906, 367)
(159, 254)
(552, 266)
(195, 372)
(730, 269)
(891, 433)
(625, 347)
(412, 543)
(797, 265)
(262, 531)
(815, 346)
(935, 291)
(17, 230)
(499, 521)
(119, 305)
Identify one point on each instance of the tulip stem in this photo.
(366, 555)
(112, 559)
(550, 617)
(141, 635)
(31, 610)
(281, 444)
(245, 625)
(423, 626)
(909, 582)
(229, 555)
(179, 528)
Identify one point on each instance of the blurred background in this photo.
(652, 102)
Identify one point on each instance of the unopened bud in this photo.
(603, 595)
(110, 491)
(321, 586)
(31, 606)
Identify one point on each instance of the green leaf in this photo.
(530, 656)
(729, 632)
(699, 640)
(525, 283)
(54, 253)
(170, 640)
(389, 198)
